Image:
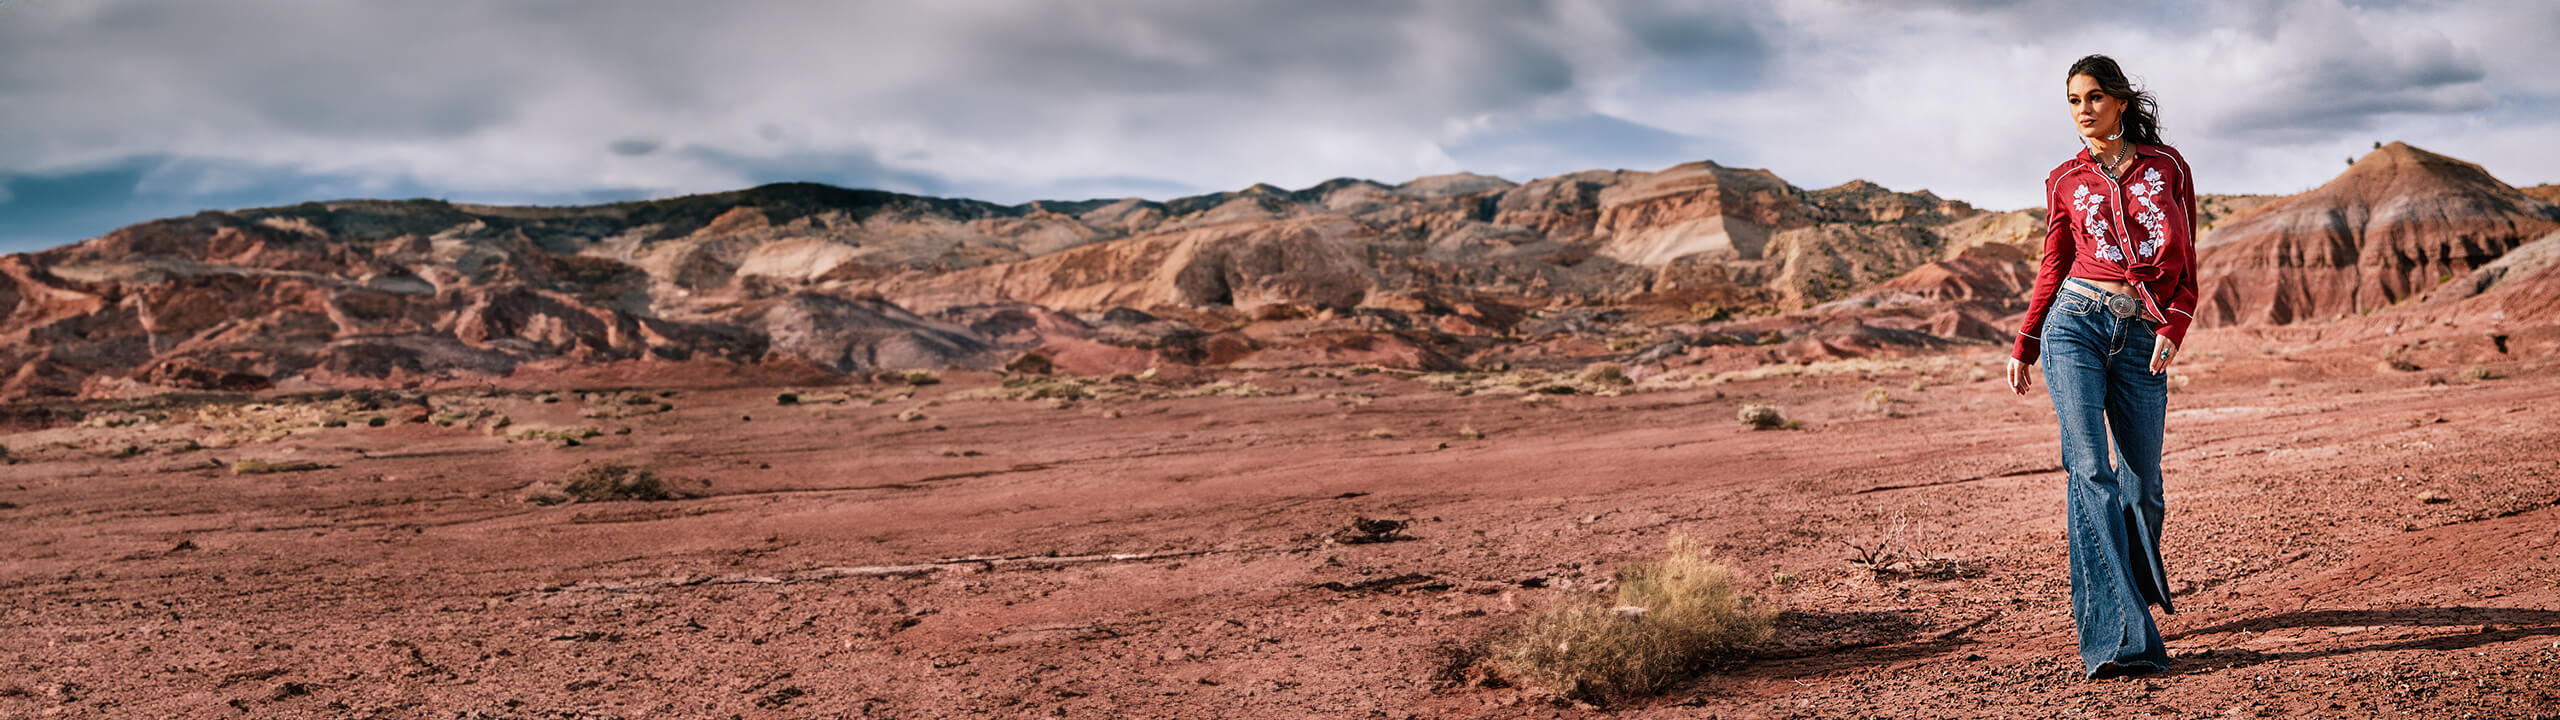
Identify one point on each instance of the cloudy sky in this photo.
(116, 111)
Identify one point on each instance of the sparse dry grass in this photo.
(1666, 620)
(1604, 378)
(1934, 365)
(1042, 387)
(1222, 388)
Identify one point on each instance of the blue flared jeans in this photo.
(2097, 368)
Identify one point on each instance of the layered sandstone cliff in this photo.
(1440, 272)
(2396, 224)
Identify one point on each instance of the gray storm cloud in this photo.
(1011, 101)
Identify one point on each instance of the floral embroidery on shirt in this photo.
(2086, 204)
(2151, 217)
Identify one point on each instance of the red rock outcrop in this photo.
(2397, 223)
(1435, 273)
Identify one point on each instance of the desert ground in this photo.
(2346, 539)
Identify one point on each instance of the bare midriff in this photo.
(2114, 286)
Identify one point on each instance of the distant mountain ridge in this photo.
(1442, 272)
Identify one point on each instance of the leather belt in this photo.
(2121, 306)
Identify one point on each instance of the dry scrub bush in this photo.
(1605, 373)
(565, 438)
(1763, 417)
(1666, 620)
(1042, 387)
(264, 467)
(601, 483)
(1879, 401)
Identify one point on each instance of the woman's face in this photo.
(2093, 110)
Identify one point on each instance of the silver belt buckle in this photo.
(2120, 306)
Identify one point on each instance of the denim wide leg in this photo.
(2097, 368)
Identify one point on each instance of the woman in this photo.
(2112, 301)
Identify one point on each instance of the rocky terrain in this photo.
(800, 451)
(1431, 274)
(2397, 223)
(2347, 539)
(1440, 273)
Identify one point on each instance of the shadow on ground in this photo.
(2496, 625)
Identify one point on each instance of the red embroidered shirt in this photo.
(2139, 229)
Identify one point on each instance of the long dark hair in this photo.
(2141, 111)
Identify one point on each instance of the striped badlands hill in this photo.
(2396, 224)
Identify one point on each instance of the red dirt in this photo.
(810, 575)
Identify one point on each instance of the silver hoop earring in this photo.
(2119, 131)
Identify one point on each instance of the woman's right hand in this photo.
(2021, 376)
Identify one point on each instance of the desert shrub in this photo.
(787, 399)
(1044, 387)
(1605, 373)
(914, 377)
(600, 483)
(2477, 373)
(1761, 417)
(263, 467)
(571, 437)
(1878, 400)
(1665, 620)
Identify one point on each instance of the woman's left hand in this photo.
(2162, 351)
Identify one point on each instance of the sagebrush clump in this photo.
(601, 483)
(1879, 401)
(1665, 620)
(1763, 417)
